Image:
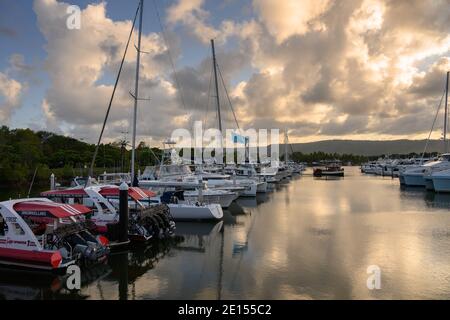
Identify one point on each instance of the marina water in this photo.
(308, 239)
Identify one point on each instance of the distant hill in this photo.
(367, 147)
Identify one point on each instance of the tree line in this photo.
(323, 156)
(352, 158)
(24, 152)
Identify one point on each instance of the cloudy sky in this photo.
(324, 69)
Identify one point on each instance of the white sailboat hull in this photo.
(224, 199)
(184, 212)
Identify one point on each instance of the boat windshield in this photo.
(81, 181)
(171, 170)
(445, 157)
(3, 226)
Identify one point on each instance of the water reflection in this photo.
(437, 200)
(308, 239)
(129, 266)
(36, 285)
(197, 236)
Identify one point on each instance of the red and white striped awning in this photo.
(57, 210)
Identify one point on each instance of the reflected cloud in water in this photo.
(308, 239)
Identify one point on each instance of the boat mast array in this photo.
(136, 92)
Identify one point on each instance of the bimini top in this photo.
(134, 192)
(71, 192)
(106, 191)
(50, 209)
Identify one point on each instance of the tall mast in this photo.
(446, 113)
(216, 84)
(136, 92)
(285, 146)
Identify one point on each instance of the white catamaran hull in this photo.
(441, 184)
(414, 180)
(441, 181)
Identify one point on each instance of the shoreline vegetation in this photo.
(24, 152)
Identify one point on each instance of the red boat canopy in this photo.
(78, 192)
(134, 192)
(110, 191)
(50, 209)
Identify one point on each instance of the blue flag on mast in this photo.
(237, 138)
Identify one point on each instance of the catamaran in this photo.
(419, 176)
(423, 175)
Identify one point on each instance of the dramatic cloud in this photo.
(190, 13)
(322, 68)
(347, 68)
(83, 64)
(10, 92)
(291, 17)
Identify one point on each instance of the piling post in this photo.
(52, 182)
(200, 192)
(123, 214)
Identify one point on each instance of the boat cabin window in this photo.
(3, 226)
(17, 229)
(104, 207)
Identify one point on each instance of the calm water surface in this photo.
(308, 239)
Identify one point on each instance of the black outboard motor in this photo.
(135, 181)
(169, 196)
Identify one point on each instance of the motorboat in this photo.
(296, 168)
(170, 172)
(145, 222)
(143, 201)
(194, 190)
(38, 233)
(330, 170)
(369, 168)
(184, 210)
(248, 187)
(416, 176)
(222, 197)
(230, 182)
(182, 173)
(423, 175)
(441, 180)
(269, 174)
(247, 172)
(114, 178)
